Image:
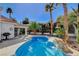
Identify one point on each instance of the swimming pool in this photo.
(39, 46)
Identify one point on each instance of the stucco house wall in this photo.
(0, 31)
(7, 27)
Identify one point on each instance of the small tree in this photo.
(60, 32)
(34, 26)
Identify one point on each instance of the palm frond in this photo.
(9, 10)
(57, 4)
(47, 7)
(51, 4)
(78, 7)
(74, 11)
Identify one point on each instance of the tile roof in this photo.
(5, 19)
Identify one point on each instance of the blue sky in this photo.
(34, 11)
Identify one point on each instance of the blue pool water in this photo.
(39, 46)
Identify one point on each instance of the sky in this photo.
(34, 11)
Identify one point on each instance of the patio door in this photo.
(22, 31)
(16, 32)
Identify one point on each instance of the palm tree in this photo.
(9, 11)
(77, 15)
(25, 21)
(50, 8)
(65, 22)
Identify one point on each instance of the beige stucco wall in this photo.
(0, 31)
(7, 27)
(22, 26)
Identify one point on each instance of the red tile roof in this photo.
(5, 19)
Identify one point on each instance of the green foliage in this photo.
(25, 21)
(49, 7)
(78, 39)
(71, 18)
(59, 31)
(34, 26)
(22, 31)
(78, 34)
(60, 19)
(9, 10)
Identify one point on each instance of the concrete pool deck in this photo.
(10, 50)
(8, 47)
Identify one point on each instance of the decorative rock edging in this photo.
(70, 51)
(75, 52)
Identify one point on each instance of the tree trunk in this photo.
(51, 22)
(65, 23)
(34, 31)
(9, 15)
(77, 38)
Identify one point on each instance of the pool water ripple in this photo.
(39, 46)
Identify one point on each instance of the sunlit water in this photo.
(39, 46)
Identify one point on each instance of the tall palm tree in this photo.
(9, 11)
(65, 22)
(50, 8)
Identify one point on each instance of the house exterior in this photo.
(11, 26)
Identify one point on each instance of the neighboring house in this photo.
(12, 27)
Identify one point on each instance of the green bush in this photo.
(59, 31)
(34, 26)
